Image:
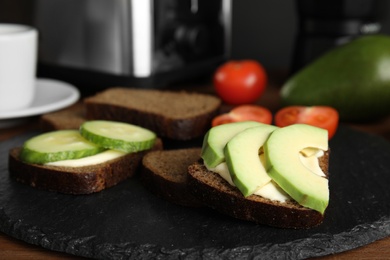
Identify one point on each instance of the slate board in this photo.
(127, 221)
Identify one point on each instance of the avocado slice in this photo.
(242, 154)
(285, 168)
(354, 78)
(217, 137)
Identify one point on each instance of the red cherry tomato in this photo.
(244, 113)
(240, 82)
(320, 116)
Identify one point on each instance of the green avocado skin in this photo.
(354, 78)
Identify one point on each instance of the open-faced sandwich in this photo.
(265, 174)
(97, 156)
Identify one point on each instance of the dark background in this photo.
(263, 30)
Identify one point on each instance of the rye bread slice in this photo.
(164, 173)
(68, 118)
(213, 191)
(76, 180)
(176, 115)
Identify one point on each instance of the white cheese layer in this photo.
(272, 190)
(89, 160)
(311, 162)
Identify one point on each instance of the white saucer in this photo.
(50, 95)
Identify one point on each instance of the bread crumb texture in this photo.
(180, 104)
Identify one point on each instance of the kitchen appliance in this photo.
(323, 25)
(140, 43)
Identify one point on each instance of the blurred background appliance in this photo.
(141, 43)
(324, 24)
(266, 30)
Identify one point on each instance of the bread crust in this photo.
(75, 180)
(212, 190)
(164, 173)
(68, 118)
(180, 126)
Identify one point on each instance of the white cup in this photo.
(18, 62)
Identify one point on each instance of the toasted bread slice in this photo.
(165, 174)
(213, 191)
(68, 118)
(174, 115)
(76, 180)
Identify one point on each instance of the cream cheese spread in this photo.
(89, 160)
(309, 158)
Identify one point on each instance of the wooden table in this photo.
(11, 248)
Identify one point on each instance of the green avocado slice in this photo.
(285, 168)
(217, 137)
(242, 155)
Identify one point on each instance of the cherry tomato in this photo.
(244, 113)
(320, 116)
(240, 82)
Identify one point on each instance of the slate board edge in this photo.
(303, 248)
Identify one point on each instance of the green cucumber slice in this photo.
(57, 146)
(118, 136)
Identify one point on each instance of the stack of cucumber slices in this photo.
(92, 138)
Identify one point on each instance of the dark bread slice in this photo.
(213, 191)
(171, 114)
(76, 180)
(165, 174)
(68, 118)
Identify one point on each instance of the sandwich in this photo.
(98, 156)
(164, 173)
(264, 174)
(175, 115)
(170, 114)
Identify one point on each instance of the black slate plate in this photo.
(127, 221)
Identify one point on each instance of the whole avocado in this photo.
(354, 78)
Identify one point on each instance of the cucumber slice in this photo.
(118, 136)
(57, 146)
